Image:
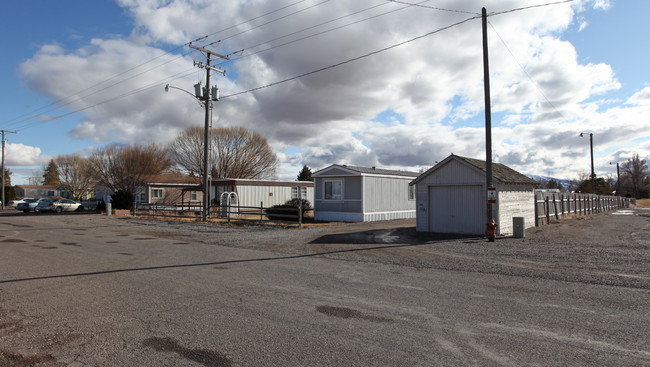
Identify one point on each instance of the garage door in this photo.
(457, 209)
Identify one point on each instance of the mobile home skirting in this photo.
(363, 217)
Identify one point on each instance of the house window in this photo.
(141, 196)
(411, 192)
(333, 190)
(157, 193)
(194, 196)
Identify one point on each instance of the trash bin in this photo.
(518, 227)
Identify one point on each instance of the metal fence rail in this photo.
(228, 213)
(549, 206)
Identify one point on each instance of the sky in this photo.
(391, 84)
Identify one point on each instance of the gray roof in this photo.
(500, 172)
(380, 171)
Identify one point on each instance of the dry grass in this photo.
(643, 203)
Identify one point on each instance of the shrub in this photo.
(285, 212)
(122, 200)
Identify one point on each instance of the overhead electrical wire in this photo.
(352, 59)
(432, 7)
(318, 33)
(151, 85)
(57, 103)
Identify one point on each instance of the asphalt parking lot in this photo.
(89, 290)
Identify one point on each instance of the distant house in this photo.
(452, 197)
(361, 194)
(169, 189)
(253, 193)
(37, 191)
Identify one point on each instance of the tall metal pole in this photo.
(3, 169)
(618, 181)
(593, 175)
(3, 166)
(488, 115)
(206, 141)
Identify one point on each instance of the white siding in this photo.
(451, 174)
(384, 194)
(515, 202)
(457, 209)
(267, 195)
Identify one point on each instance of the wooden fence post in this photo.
(536, 209)
(548, 210)
(261, 213)
(557, 215)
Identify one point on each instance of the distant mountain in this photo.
(564, 182)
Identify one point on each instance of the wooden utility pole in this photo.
(3, 165)
(488, 116)
(207, 100)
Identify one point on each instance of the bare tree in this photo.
(242, 153)
(634, 175)
(187, 150)
(121, 167)
(236, 153)
(75, 175)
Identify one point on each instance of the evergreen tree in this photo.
(600, 186)
(51, 174)
(305, 174)
(7, 177)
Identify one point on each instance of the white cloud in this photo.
(23, 155)
(435, 83)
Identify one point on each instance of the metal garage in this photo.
(456, 209)
(451, 197)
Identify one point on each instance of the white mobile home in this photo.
(360, 194)
(452, 197)
(253, 193)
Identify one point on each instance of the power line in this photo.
(27, 115)
(322, 32)
(351, 60)
(433, 7)
(531, 7)
(524, 70)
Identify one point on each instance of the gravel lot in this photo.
(606, 249)
(88, 290)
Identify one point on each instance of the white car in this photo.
(58, 205)
(16, 202)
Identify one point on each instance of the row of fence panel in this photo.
(555, 205)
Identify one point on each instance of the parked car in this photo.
(58, 205)
(16, 202)
(28, 205)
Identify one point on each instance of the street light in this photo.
(591, 146)
(205, 99)
(618, 179)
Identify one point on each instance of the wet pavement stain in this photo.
(8, 359)
(202, 356)
(70, 244)
(181, 243)
(113, 242)
(20, 225)
(145, 238)
(125, 253)
(348, 313)
(13, 240)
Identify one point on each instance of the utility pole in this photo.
(3, 165)
(488, 116)
(207, 104)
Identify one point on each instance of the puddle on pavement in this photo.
(348, 313)
(202, 356)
